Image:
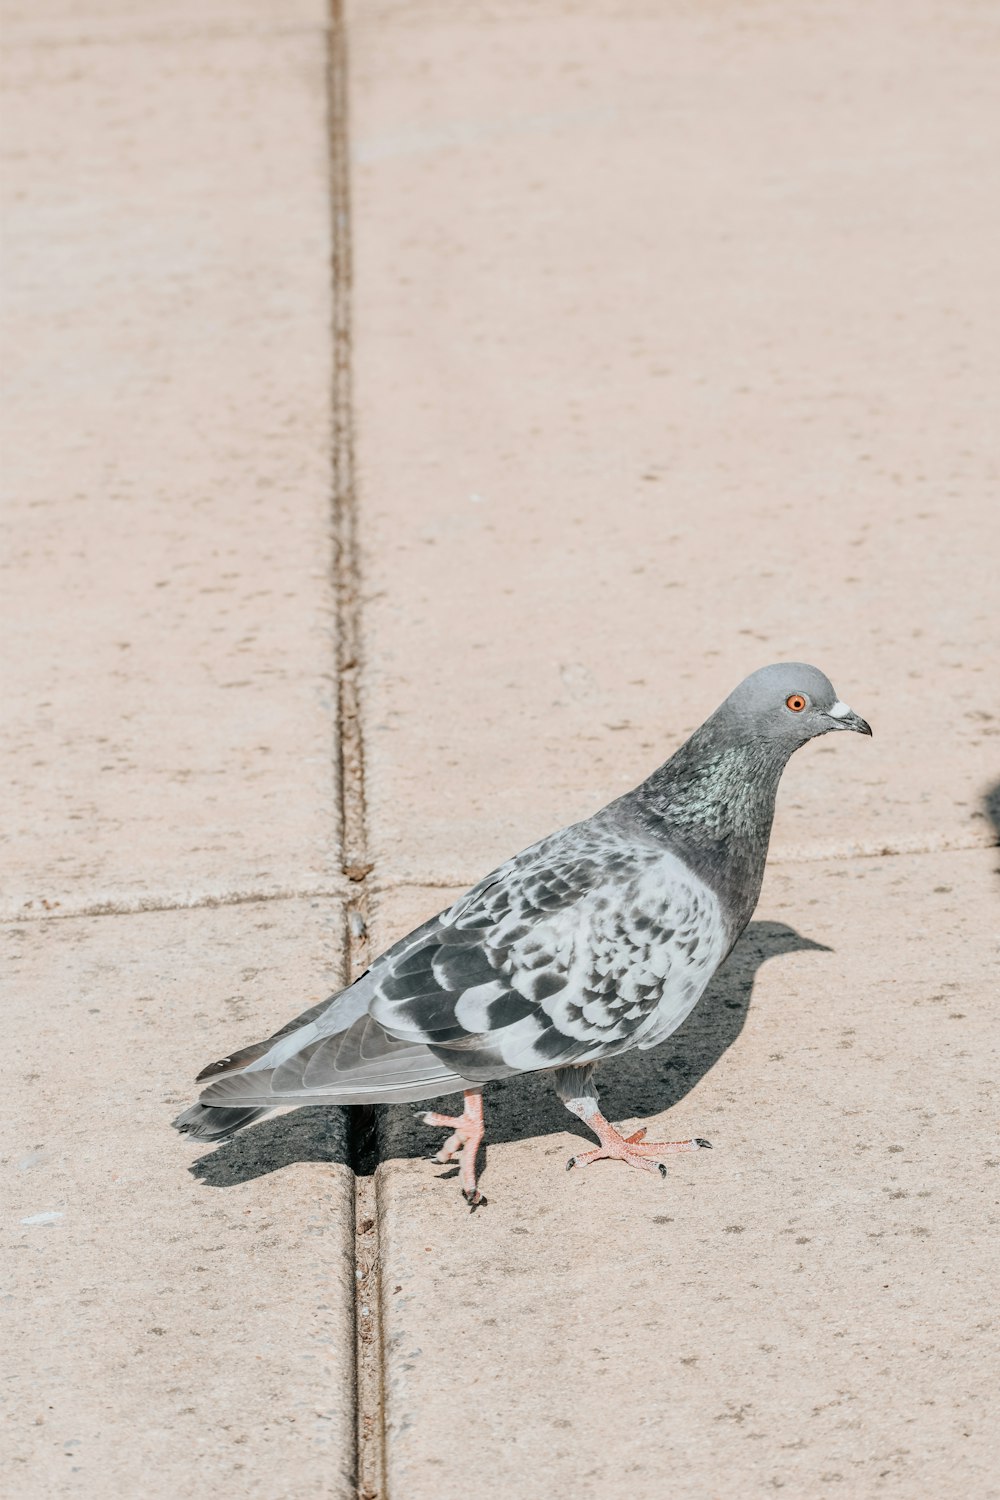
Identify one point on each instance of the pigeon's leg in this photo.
(466, 1137)
(633, 1149)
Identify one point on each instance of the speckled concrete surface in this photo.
(170, 1331)
(169, 741)
(169, 724)
(675, 334)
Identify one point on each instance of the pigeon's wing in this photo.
(580, 948)
(343, 1056)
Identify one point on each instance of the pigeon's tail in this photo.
(342, 1056)
(207, 1123)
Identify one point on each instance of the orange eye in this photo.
(796, 703)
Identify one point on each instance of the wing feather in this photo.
(588, 944)
(571, 952)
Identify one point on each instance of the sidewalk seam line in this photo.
(133, 906)
(379, 887)
(356, 862)
(224, 31)
(348, 890)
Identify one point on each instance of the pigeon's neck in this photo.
(713, 804)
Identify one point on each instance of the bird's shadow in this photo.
(992, 804)
(313, 1133)
(524, 1107)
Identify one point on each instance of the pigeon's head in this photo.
(789, 703)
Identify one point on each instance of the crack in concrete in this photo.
(44, 909)
(357, 893)
(356, 863)
(48, 36)
(461, 882)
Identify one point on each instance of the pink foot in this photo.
(463, 1143)
(633, 1149)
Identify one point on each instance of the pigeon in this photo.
(597, 939)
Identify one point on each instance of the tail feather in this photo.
(361, 1064)
(246, 1055)
(339, 1056)
(213, 1124)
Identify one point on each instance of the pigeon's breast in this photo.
(624, 965)
(688, 940)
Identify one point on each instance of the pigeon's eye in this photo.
(796, 703)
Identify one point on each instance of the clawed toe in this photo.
(462, 1146)
(637, 1146)
(450, 1148)
(428, 1117)
(632, 1158)
(632, 1149)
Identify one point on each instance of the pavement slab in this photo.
(170, 1333)
(804, 1308)
(165, 589)
(171, 748)
(675, 334)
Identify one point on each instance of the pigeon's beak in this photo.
(845, 718)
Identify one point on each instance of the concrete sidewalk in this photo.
(675, 337)
(672, 346)
(169, 690)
